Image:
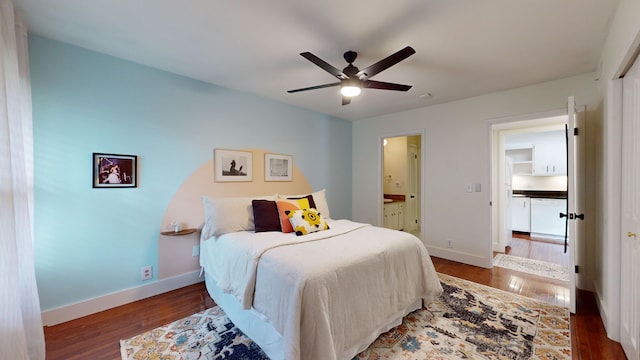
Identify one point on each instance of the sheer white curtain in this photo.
(21, 333)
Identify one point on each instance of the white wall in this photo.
(620, 46)
(456, 153)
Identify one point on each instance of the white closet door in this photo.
(630, 226)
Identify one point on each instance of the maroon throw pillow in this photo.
(265, 215)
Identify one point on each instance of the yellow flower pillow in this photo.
(306, 221)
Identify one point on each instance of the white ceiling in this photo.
(463, 48)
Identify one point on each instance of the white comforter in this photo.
(328, 293)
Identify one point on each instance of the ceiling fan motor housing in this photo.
(351, 71)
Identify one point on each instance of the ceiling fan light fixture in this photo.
(350, 88)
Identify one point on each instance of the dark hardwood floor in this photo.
(535, 247)
(97, 336)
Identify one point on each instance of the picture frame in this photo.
(232, 165)
(115, 171)
(278, 167)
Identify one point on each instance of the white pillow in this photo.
(319, 197)
(228, 214)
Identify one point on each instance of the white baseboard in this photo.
(92, 306)
(611, 325)
(459, 256)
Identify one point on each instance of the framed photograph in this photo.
(278, 167)
(233, 165)
(115, 171)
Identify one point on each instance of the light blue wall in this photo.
(91, 242)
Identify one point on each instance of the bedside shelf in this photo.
(179, 233)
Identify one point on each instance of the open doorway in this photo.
(401, 183)
(530, 187)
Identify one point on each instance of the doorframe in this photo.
(421, 200)
(412, 162)
(496, 129)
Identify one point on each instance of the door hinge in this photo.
(577, 270)
(490, 203)
(575, 132)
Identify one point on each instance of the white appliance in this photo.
(545, 216)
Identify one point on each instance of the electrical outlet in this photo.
(195, 251)
(146, 272)
(449, 243)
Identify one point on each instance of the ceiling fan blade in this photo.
(372, 84)
(385, 63)
(313, 87)
(346, 100)
(324, 65)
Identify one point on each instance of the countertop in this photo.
(393, 198)
(547, 194)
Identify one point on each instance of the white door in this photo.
(574, 213)
(630, 222)
(412, 199)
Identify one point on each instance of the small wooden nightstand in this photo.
(179, 233)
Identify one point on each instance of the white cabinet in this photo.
(550, 154)
(521, 214)
(394, 215)
(545, 216)
(521, 158)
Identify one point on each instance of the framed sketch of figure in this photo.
(233, 165)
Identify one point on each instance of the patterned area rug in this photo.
(469, 321)
(536, 267)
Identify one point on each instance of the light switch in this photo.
(477, 187)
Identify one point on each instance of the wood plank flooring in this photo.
(538, 248)
(97, 336)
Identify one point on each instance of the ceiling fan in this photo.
(352, 80)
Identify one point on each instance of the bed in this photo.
(319, 295)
